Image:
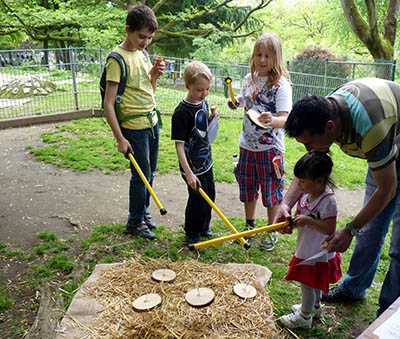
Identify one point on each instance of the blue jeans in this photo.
(145, 152)
(367, 252)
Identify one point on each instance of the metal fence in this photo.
(42, 82)
(320, 77)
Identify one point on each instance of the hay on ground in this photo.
(227, 317)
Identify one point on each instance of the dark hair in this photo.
(140, 17)
(315, 165)
(310, 113)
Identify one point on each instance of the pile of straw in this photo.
(227, 317)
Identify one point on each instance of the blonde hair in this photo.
(273, 44)
(194, 71)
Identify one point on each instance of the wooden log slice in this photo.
(147, 302)
(253, 115)
(164, 275)
(200, 297)
(244, 290)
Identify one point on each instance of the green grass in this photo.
(49, 244)
(108, 244)
(5, 301)
(86, 145)
(338, 322)
(12, 253)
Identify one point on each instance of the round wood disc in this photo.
(199, 297)
(164, 275)
(147, 302)
(244, 290)
(253, 115)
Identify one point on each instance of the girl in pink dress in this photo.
(315, 218)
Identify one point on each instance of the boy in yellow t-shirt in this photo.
(136, 126)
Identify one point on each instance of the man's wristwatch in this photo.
(352, 228)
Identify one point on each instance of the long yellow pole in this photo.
(243, 242)
(231, 94)
(239, 235)
(147, 184)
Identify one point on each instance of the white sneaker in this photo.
(295, 320)
(316, 312)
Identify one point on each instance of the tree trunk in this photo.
(379, 44)
(45, 59)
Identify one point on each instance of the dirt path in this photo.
(35, 196)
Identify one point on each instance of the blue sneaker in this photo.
(338, 295)
(268, 244)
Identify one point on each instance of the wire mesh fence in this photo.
(42, 82)
(320, 77)
(37, 82)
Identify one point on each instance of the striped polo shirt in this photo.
(369, 112)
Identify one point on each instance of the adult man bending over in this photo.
(362, 117)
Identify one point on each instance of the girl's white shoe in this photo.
(316, 312)
(295, 320)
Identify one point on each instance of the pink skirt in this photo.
(318, 275)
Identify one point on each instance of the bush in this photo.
(314, 71)
(314, 60)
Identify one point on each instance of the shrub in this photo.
(314, 59)
(311, 73)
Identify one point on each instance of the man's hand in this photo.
(283, 214)
(339, 241)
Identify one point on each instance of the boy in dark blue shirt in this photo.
(190, 131)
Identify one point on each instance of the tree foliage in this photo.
(59, 23)
(375, 24)
(304, 23)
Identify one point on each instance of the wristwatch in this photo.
(352, 228)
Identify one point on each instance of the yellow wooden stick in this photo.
(231, 94)
(243, 242)
(147, 184)
(239, 235)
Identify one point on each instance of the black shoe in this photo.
(148, 220)
(192, 238)
(249, 238)
(206, 234)
(337, 294)
(141, 230)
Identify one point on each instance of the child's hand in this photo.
(124, 147)
(265, 118)
(302, 220)
(286, 230)
(232, 105)
(214, 113)
(192, 181)
(158, 68)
